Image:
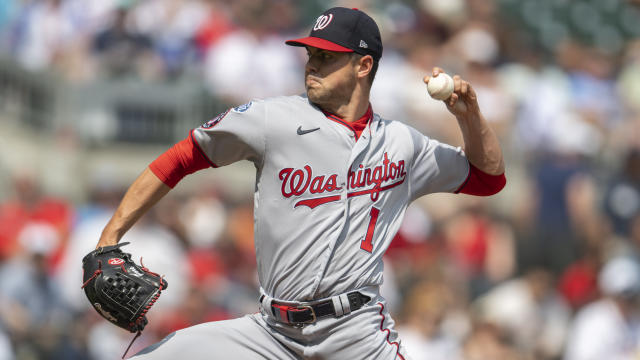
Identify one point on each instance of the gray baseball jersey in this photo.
(327, 205)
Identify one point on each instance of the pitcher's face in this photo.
(330, 77)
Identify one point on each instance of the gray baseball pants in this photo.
(366, 334)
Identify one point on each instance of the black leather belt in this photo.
(306, 314)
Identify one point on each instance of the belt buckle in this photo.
(313, 314)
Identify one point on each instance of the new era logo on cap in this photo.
(344, 30)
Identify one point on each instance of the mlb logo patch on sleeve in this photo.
(242, 108)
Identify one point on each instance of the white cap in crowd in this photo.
(620, 276)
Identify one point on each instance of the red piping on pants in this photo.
(389, 333)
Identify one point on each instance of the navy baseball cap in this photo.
(344, 30)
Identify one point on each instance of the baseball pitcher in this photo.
(333, 181)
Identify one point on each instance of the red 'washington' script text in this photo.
(296, 182)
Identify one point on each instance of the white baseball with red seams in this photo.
(440, 87)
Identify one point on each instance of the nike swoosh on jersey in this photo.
(302, 132)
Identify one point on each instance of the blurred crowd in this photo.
(548, 269)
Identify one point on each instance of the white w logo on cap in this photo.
(322, 22)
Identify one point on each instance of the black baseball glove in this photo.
(121, 291)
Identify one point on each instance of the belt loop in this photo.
(282, 313)
(346, 307)
(337, 305)
(266, 304)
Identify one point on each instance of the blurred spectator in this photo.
(553, 118)
(529, 300)
(216, 24)
(239, 290)
(33, 219)
(629, 77)
(594, 88)
(42, 32)
(579, 282)
(488, 342)
(589, 226)
(425, 309)
(31, 306)
(609, 328)
(204, 218)
(6, 350)
(172, 24)
(622, 199)
(251, 59)
(393, 82)
(123, 50)
(553, 245)
(467, 238)
(480, 248)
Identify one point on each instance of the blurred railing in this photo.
(105, 111)
(25, 96)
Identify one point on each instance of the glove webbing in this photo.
(155, 297)
(146, 309)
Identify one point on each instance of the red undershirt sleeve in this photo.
(480, 183)
(180, 160)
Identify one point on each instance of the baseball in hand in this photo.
(440, 87)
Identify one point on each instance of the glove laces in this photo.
(95, 273)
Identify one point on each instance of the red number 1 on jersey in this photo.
(367, 243)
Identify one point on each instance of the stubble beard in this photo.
(318, 95)
(329, 98)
